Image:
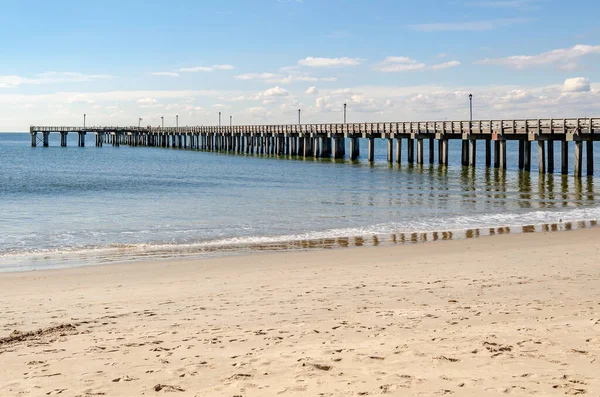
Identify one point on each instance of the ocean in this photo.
(64, 207)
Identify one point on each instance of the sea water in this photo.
(72, 206)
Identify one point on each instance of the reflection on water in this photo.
(132, 253)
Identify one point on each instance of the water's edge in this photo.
(124, 254)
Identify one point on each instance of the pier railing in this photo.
(486, 127)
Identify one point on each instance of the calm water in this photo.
(71, 206)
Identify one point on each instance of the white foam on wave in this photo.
(128, 252)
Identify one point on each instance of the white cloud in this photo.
(79, 98)
(258, 76)
(577, 84)
(258, 112)
(275, 92)
(330, 62)
(146, 100)
(565, 58)
(311, 90)
(467, 26)
(399, 64)
(276, 78)
(168, 74)
(12, 81)
(206, 68)
(445, 65)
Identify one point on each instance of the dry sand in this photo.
(512, 314)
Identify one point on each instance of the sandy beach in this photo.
(511, 314)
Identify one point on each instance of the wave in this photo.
(418, 229)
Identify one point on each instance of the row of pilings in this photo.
(335, 147)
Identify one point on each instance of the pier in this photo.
(409, 140)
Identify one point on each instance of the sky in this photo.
(260, 61)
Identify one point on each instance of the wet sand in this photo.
(510, 314)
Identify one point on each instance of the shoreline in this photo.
(510, 314)
(130, 253)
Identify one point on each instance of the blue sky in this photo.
(262, 60)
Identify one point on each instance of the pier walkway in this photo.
(329, 140)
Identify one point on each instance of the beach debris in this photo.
(18, 336)
(240, 376)
(444, 358)
(322, 367)
(167, 388)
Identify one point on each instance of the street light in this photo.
(299, 116)
(176, 120)
(162, 121)
(470, 107)
(140, 122)
(84, 120)
(219, 119)
(344, 113)
(230, 121)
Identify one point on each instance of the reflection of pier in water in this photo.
(125, 253)
(413, 238)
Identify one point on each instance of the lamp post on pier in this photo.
(344, 113)
(162, 121)
(84, 120)
(177, 120)
(470, 107)
(140, 122)
(299, 116)
(219, 119)
(230, 121)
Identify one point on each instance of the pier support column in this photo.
(527, 156)
(354, 148)
(419, 151)
(550, 153)
(578, 158)
(465, 152)
(541, 157)
(502, 164)
(472, 152)
(34, 139)
(327, 147)
(45, 139)
(371, 156)
(338, 152)
(81, 139)
(63, 139)
(398, 150)
(316, 147)
(444, 143)
(410, 150)
(589, 154)
(300, 146)
(390, 150)
(431, 150)
(488, 153)
(521, 154)
(306, 148)
(496, 154)
(564, 155)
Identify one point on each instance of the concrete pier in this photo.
(329, 140)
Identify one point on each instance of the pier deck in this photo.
(328, 140)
